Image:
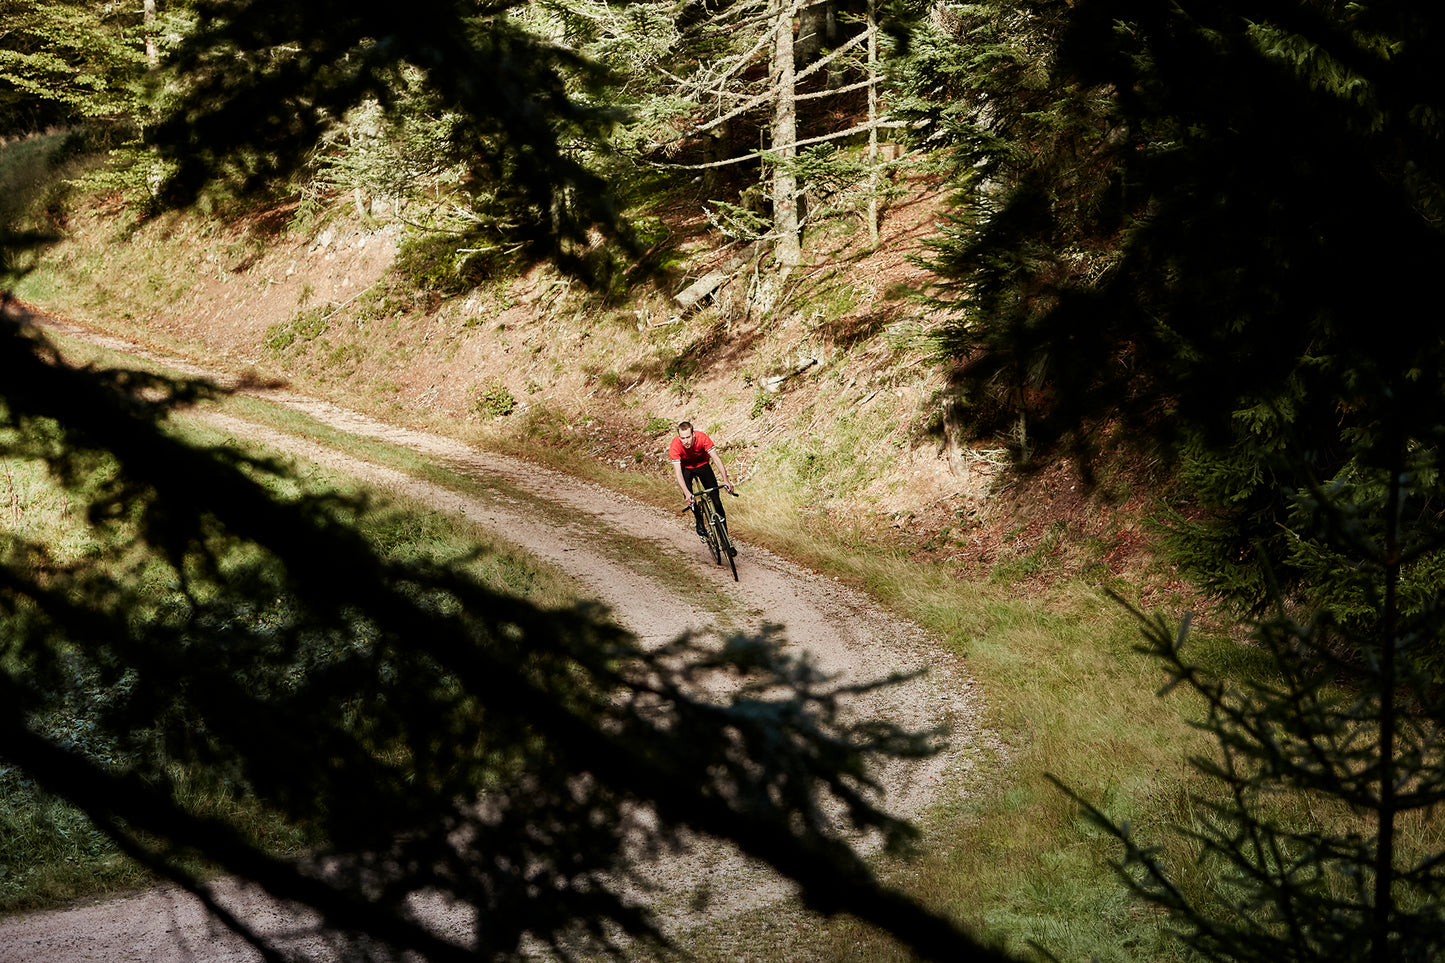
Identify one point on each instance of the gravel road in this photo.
(846, 632)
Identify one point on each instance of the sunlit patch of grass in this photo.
(50, 852)
(34, 509)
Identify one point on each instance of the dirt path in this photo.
(843, 630)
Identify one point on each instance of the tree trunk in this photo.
(153, 54)
(872, 125)
(785, 133)
(817, 28)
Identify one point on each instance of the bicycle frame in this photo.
(719, 543)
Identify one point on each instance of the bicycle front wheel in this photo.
(710, 527)
(725, 542)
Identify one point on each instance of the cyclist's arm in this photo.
(681, 483)
(717, 460)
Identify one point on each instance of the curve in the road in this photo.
(844, 632)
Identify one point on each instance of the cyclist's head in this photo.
(684, 431)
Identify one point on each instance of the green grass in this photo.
(32, 170)
(50, 852)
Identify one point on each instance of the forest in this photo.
(1176, 234)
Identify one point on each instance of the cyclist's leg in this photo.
(709, 480)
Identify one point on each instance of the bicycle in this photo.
(715, 530)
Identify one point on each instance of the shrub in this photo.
(495, 401)
(445, 264)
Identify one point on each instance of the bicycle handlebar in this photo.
(705, 491)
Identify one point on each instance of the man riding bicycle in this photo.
(693, 455)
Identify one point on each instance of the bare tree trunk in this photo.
(785, 133)
(1382, 916)
(716, 146)
(872, 125)
(817, 28)
(153, 54)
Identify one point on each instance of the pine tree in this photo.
(1210, 230)
(1216, 235)
(1313, 834)
(738, 86)
(260, 83)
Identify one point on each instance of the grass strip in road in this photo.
(675, 575)
(643, 556)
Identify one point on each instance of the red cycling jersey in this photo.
(692, 458)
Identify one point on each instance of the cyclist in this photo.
(693, 455)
